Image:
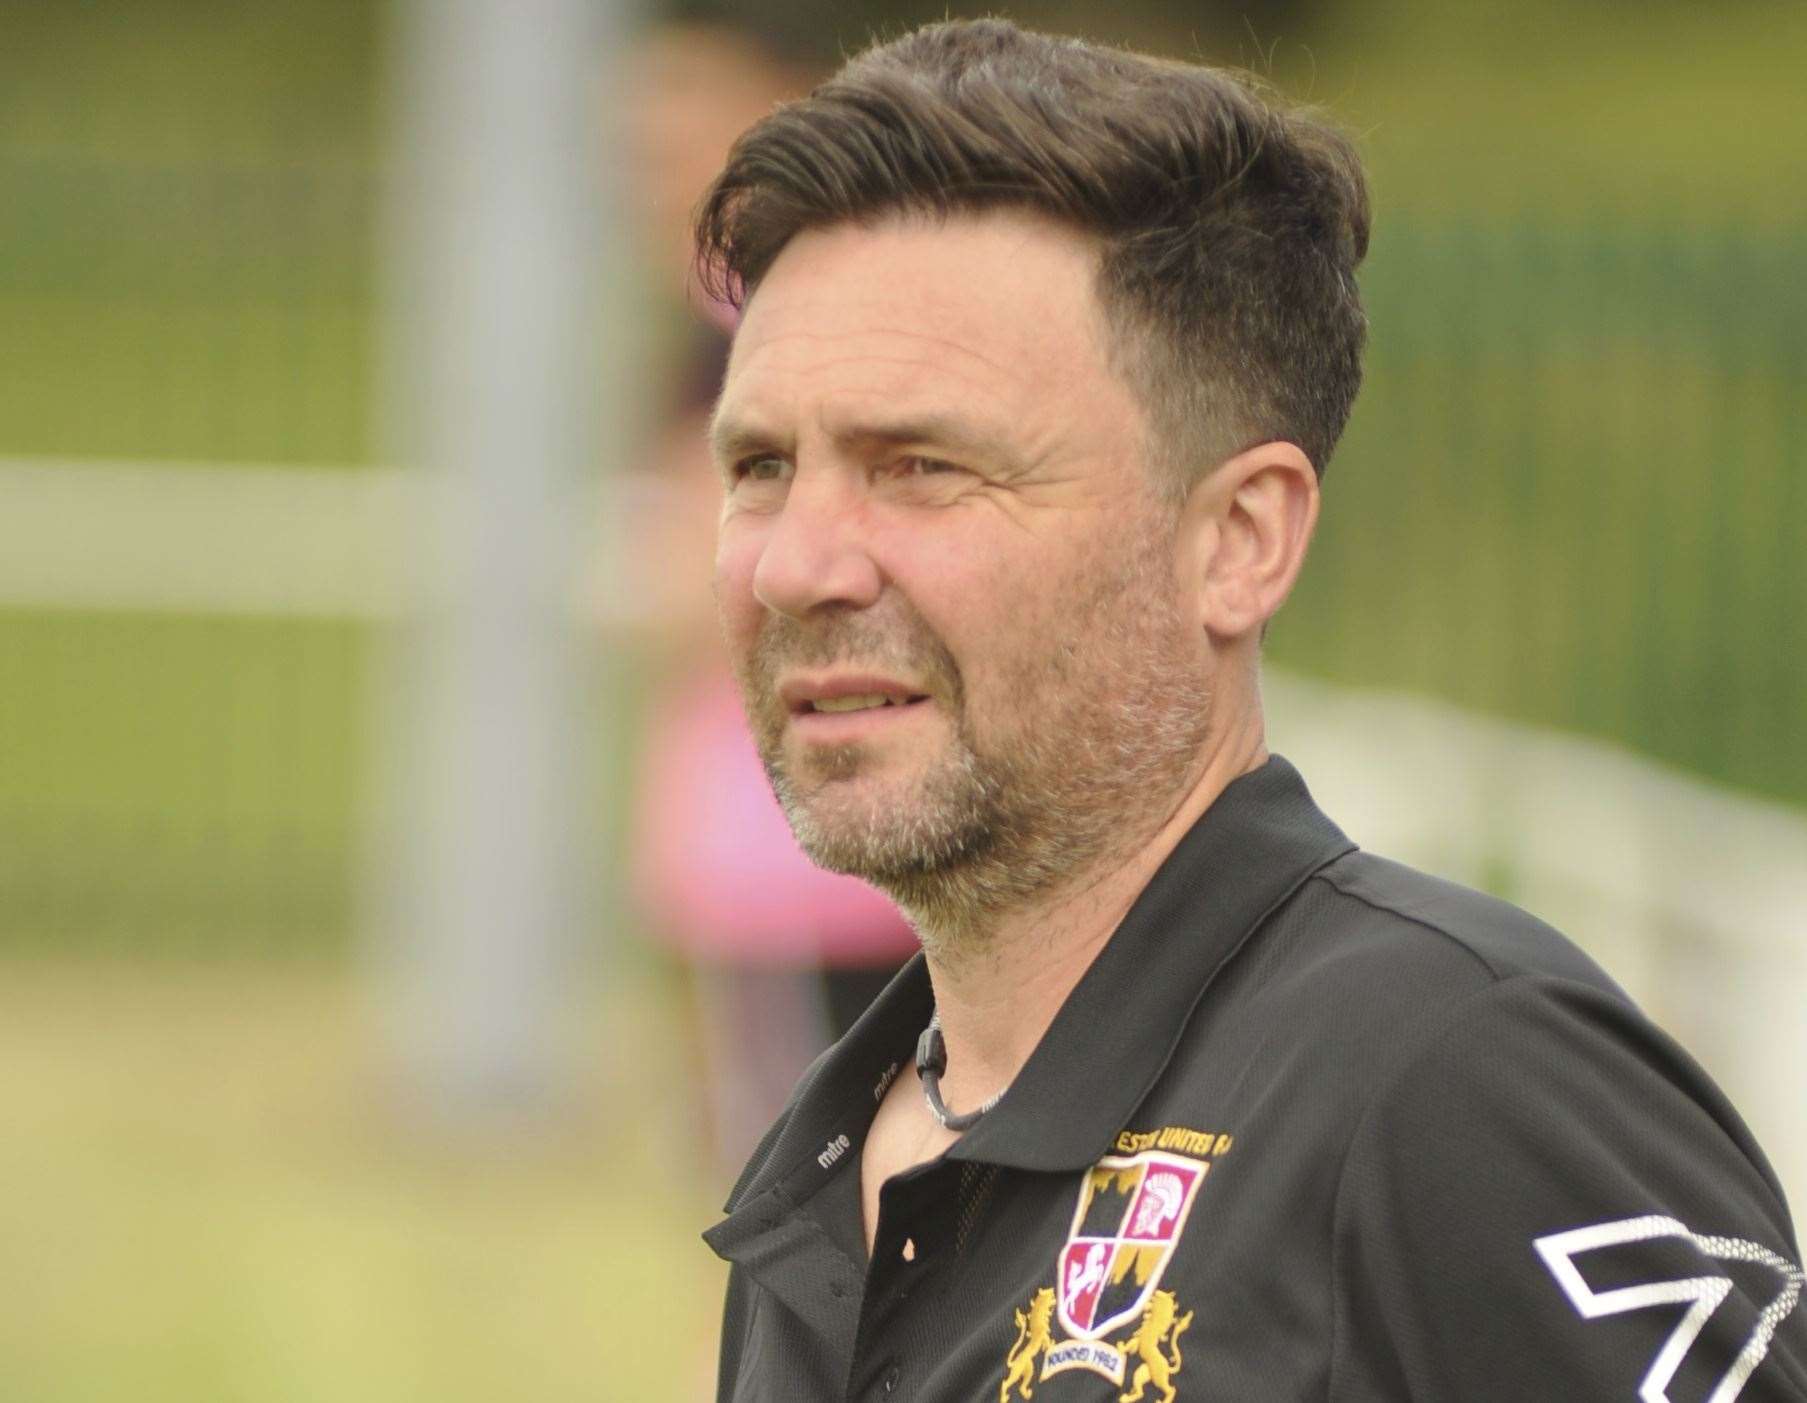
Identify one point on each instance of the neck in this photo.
(1003, 976)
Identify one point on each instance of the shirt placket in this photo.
(907, 1283)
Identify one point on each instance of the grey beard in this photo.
(1121, 714)
(986, 833)
(959, 854)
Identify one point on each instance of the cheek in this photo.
(1038, 633)
(973, 597)
(737, 551)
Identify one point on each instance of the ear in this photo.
(1247, 524)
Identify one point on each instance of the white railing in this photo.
(1694, 898)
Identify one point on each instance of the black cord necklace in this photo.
(931, 1062)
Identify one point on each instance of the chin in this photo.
(844, 777)
(849, 812)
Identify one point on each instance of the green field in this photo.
(206, 1195)
(186, 781)
(1572, 493)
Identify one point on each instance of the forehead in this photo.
(993, 316)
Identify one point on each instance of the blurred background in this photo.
(382, 1006)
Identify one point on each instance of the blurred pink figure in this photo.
(718, 861)
(782, 956)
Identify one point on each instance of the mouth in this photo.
(858, 701)
(838, 693)
(840, 709)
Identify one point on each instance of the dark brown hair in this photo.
(1230, 226)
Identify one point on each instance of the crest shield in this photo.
(1129, 1216)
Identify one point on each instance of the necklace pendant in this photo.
(931, 1062)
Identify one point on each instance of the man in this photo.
(1044, 349)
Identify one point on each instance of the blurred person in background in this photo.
(1044, 348)
(781, 956)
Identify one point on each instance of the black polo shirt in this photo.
(1312, 1126)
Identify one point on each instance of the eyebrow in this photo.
(730, 439)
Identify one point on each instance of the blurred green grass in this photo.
(207, 1196)
(1572, 492)
(186, 238)
(184, 780)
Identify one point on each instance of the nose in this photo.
(817, 552)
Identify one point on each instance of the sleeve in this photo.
(1546, 1198)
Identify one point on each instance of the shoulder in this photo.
(1512, 1110)
(1369, 955)
(1489, 1039)
(1444, 1013)
(1394, 914)
(1416, 997)
(1431, 988)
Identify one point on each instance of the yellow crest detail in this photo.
(1034, 1336)
(1161, 1324)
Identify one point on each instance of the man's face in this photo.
(947, 580)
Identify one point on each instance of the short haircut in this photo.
(1230, 226)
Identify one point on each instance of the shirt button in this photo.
(892, 1375)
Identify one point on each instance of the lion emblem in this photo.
(1034, 1337)
(1161, 1323)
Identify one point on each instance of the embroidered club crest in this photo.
(1132, 1208)
(1130, 1214)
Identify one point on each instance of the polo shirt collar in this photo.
(1254, 847)
(1117, 1031)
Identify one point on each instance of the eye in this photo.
(916, 465)
(761, 467)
